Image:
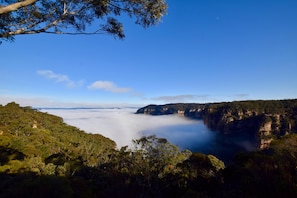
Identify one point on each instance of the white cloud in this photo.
(181, 98)
(60, 78)
(242, 96)
(108, 86)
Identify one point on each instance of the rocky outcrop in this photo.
(265, 120)
(190, 110)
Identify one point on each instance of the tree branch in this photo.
(22, 32)
(15, 6)
(77, 33)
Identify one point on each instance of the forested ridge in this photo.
(265, 120)
(41, 156)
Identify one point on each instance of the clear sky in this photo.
(202, 51)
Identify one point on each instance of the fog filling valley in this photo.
(123, 125)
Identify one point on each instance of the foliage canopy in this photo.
(73, 16)
(41, 155)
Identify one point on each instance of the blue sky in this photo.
(202, 51)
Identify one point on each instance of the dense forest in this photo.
(41, 156)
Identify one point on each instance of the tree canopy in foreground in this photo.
(73, 16)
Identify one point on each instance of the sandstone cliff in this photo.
(265, 120)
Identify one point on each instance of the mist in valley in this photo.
(123, 125)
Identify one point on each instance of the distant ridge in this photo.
(81, 108)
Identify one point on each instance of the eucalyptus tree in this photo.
(73, 17)
(158, 156)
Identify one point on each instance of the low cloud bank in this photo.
(122, 125)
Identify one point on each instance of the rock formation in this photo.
(265, 120)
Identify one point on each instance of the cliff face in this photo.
(191, 110)
(265, 120)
